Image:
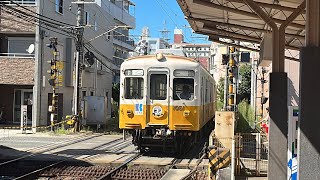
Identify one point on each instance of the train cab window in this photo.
(133, 88)
(158, 86)
(183, 89)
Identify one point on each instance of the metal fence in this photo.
(253, 153)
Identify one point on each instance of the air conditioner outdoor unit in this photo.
(266, 50)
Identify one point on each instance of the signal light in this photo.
(51, 62)
(52, 82)
(52, 72)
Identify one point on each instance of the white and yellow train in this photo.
(166, 100)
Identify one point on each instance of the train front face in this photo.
(158, 99)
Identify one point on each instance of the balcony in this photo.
(118, 12)
(22, 2)
(16, 55)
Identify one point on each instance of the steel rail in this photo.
(49, 149)
(109, 174)
(33, 174)
(188, 176)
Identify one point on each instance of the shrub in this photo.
(246, 117)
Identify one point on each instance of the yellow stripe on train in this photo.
(191, 118)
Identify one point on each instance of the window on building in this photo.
(109, 35)
(18, 45)
(158, 86)
(86, 18)
(133, 88)
(91, 93)
(59, 6)
(84, 93)
(95, 25)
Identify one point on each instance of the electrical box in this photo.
(293, 114)
(94, 108)
(266, 47)
(225, 124)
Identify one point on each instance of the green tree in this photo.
(245, 85)
(220, 93)
(246, 117)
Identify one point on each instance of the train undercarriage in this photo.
(162, 139)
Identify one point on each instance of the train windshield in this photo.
(183, 89)
(134, 88)
(158, 86)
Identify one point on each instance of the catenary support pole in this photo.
(36, 107)
(79, 57)
(308, 131)
(278, 127)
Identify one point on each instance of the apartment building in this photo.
(23, 73)
(291, 67)
(200, 52)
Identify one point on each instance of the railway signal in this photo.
(52, 72)
(52, 81)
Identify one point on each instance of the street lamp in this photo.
(114, 28)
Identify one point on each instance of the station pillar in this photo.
(309, 123)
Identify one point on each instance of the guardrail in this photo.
(17, 55)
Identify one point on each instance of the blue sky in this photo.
(153, 14)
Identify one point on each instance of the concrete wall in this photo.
(19, 71)
(10, 23)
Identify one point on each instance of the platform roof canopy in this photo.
(228, 21)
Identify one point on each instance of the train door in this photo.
(158, 97)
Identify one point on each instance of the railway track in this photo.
(66, 169)
(48, 147)
(25, 168)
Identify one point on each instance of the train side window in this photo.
(183, 88)
(133, 88)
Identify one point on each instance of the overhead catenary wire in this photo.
(35, 20)
(52, 20)
(45, 26)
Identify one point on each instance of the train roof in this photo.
(167, 56)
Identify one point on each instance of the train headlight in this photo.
(186, 113)
(159, 56)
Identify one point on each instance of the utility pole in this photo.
(225, 59)
(253, 100)
(232, 80)
(262, 98)
(79, 57)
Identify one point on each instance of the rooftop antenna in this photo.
(165, 33)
